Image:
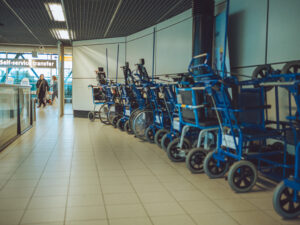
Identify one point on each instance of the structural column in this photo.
(61, 74)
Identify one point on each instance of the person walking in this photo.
(54, 87)
(42, 88)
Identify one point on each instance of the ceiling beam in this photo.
(67, 24)
(113, 18)
(170, 10)
(26, 26)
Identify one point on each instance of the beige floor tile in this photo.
(110, 189)
(156, 187)
(13, 203)
(138, 172)
(130, 221)
(111, 173)
(10, 217)
(143, 179)
(153, 197)
(189, 195)
(48, 202)
(164, 209)
(43, 216)
(51, 191)
(125, 211)
(234, 205)
(214, 219)
(86, 200)
(84, 190)
(174, 220)
(85, 213)
(253, 217)
(115, 180)
(279, 219)
(121, 198)
(179, 186)
(88, 222)
(22, 183)
(19, 192)
(200, 207)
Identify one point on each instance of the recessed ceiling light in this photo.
(61, 34)
(55, 11)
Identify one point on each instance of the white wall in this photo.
(87, 57)
(172, 54)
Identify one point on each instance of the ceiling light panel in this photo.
(55, 11)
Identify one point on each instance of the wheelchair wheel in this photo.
(158, 136)
(283, 201)
(149, 134)
(103, 114)
(242, 176)
(142, 120)
(120, 124)
(132, 117)
(115, 120)
(91, 116)
(194, 160)
(165, 141)
(262, 72)
(127, 127)
(290, 67)
(211, 167)
(173, 151)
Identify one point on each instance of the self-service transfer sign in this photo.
(27, 63)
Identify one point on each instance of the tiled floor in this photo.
(76, 172)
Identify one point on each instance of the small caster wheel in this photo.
(242, 176)
(91, 116)
(114, 121)
(173, 152)
(194, 160)
(120, 124)
(149, 134)
(158, 136)
(262, 72)
(127, 127)
(165, 141)
(211, 167)
(283, 201)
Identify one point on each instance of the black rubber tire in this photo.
(115, 120)
(158, 136)
(172, 149)
(132, 116)
(91, 116)
(194, 160)
(261, 72)
(148, 114)
(127, 127)
(120, 124)
(278, 203)
(103, 118)
(290, 67)
(149, 134)
(242, 172)
(209, 165)
(165, 141)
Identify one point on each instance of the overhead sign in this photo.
(28, 63)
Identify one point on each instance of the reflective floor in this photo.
(72, 171)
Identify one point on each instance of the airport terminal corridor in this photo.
(71, 171)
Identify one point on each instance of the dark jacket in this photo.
(42, 86)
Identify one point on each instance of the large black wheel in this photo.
(158, 136)
(127, 127)
(262, 72)
(211, 167)
(141, 122)
(242, 176)
(291, 67)
(165, 141)
(195, 158)
(120, 124)
(149, 134)
(283, 201)
(104, 109)
(132, 116)
(173, 151)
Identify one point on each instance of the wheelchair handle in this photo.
(200, 56)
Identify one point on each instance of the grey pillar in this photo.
(61, 74)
